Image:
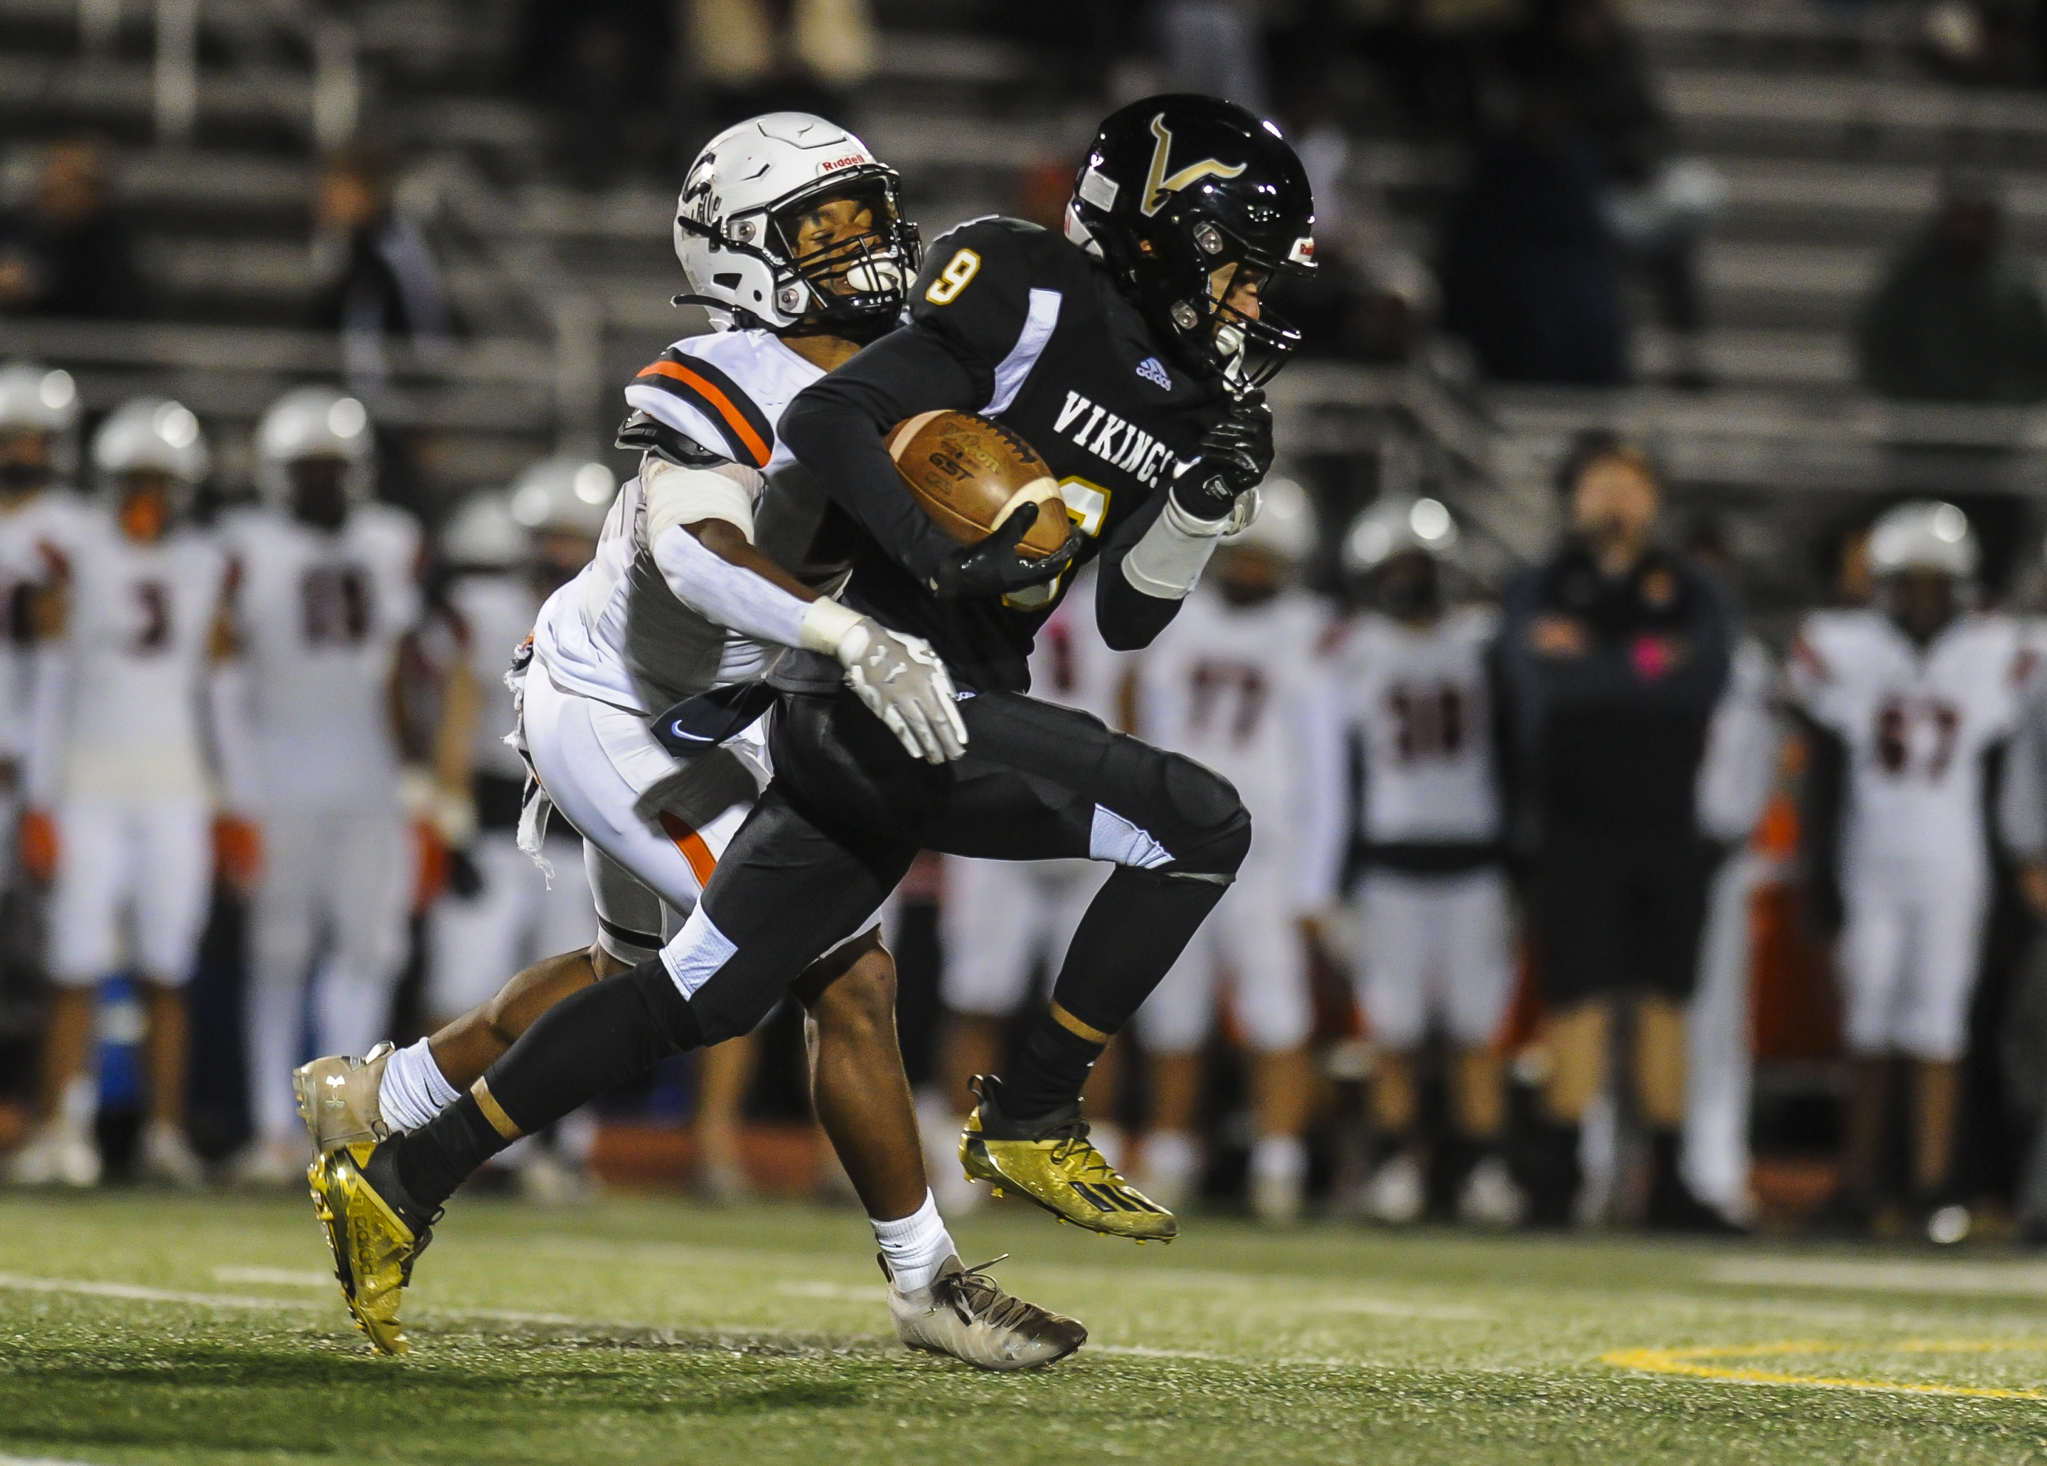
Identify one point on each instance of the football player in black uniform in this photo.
(1129, 353)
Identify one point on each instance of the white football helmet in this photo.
(148, 434)
(735, 227)
(483, 535)
(1284, 523)
(1392, 526)
(37, 399)
(1924, 534)
(570, 495)
(314, 422)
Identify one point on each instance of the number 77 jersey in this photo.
(1916, 724)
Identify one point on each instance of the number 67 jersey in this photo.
(1916, 725)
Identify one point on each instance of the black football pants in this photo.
(848, 810)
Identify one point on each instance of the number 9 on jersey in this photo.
(953, 278)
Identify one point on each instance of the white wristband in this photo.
(825, 624)
(1168, 560)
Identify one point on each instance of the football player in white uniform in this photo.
(1233, 682)
(327, 586)
(1906, 698)
(507, 552)
(789, 233)
(40, 517)
(119, 756)
(999, 919)
(1429, 925)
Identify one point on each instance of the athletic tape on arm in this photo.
(1168, 561)
(677, 495)
(726, 593)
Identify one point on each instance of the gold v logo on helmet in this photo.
(1157, 185)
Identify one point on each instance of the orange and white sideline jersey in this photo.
(617, 632)
(1237, 688)
(126, 723)
(319, 617)
(1916, 725)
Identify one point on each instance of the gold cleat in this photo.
(374, 1248)
(337, 1099)
(1052, 1162)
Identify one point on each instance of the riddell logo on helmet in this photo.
(849, 161)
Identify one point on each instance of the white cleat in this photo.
(56, 1156)
(1275, 1200)
(965, 1313)
(271, 1165)
(545, 1179)
(1491, 1198)
(168, 1158)
(1397, 1193)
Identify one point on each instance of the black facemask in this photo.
(1409, 588)
(321, 503)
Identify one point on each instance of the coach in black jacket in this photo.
(1616, 651)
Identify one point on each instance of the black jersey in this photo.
(1010, 321)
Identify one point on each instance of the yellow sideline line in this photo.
(1686, 1362)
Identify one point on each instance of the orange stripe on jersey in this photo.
(734, 418)
(692, 846)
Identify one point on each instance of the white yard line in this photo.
(277, 1277)
(1901, 1276)
(134, 1293)
(36, 1461)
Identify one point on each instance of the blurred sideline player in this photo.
(1429, 924)
(507, 552)
(326, 589)
(1905, 700)
(1232, 682)
(39, 516)
(1001, 918)
(789, 233)
(119, 756)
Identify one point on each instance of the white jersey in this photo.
(493, 614)
(37, 538)
(617, 632)
(138, 633)
(1916, 725)
(1422, 707)
(319, 617)
(1235, 687)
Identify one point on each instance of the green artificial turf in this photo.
(139, 1328)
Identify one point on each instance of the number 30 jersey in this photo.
(1916, 726)
(319, 617)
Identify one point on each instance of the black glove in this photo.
(993, 567)
(1236, 455)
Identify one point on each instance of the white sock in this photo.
(1279, 1158)
(1169, 1155)
(915, 1246)
(413, 1091)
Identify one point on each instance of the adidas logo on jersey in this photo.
(1123, 444)
(1154, 371)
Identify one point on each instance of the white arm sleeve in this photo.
(234, 742)
(49, 712)
(1168, 558)
(1322, 788)
(677, 495)
(720, 591)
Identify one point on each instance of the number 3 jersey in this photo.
(1916, 725)
(124, 722)
(319, 616)
(1234, 688)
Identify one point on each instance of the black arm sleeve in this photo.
(837, 429)
(1822, 808)
(1127, 618)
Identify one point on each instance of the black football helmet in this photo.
(1174, 188)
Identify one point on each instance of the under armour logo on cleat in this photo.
(1154, 371)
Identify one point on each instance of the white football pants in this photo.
(1908, 957)
(152, 863)
(1254, 935)
(1432, 950)
(337, 885)
(475, 943)
(1001, 918)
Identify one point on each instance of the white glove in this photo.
(898, 678)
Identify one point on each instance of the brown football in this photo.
(967, 473)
